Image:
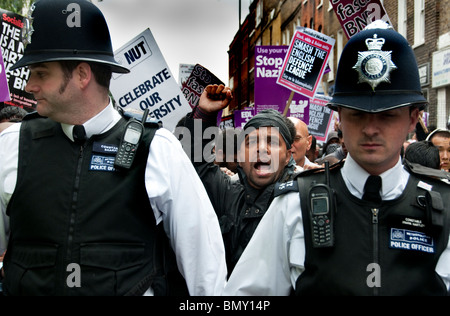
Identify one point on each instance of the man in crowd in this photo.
(441, 139)
(264, 159)
(302, 143)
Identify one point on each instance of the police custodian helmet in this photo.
(377, 72)
(58, 30)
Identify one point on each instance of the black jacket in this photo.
(239, 207)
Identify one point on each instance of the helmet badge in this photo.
(28, 29)
(374, 66)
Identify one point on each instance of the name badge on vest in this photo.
(103, 157)
(411, 240)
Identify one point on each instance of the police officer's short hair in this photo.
(102, 73)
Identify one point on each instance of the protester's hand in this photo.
(227, 171)
(215, 98)
(313, 166)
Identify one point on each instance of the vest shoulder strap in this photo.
(420, 170)
(150, 130)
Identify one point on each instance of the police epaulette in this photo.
(427, 172)
(285, 187)
(153, 123)
(336, 166)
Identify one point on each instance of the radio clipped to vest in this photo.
(130, 142)
(321, 205)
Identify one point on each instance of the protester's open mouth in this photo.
(263, 168)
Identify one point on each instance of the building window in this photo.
(259, 12)
(442, 110)
(419, 22)
(340, 43)
(286, 37)
(331, 64)
(402, 17)
(320, 4)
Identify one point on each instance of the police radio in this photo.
(130, 142)
(321, 207)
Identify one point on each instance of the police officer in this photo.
(330, 233)
(74, 222)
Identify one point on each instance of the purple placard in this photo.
(4, 88)
(11, 26)
(269, 94)
(241, 117)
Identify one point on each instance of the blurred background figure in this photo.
(423, 153)
(10, 115)
(301, 145)
(441, 139)
(226, 151)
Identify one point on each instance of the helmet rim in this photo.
(70, 55)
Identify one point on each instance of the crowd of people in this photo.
(269, 217)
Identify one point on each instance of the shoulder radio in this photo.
(130, 142)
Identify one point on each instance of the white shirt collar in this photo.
(99, 124)
(394, 180)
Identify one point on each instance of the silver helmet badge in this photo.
(374, 66)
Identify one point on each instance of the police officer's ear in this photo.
(83, 74)
(414, 118)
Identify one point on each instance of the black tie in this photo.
(79, 134)
(372, 189)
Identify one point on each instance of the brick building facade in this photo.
(425, 24)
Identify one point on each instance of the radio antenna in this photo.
(327, 173)
(144, 117)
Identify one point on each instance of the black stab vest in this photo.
(363, 239)
(71, 207)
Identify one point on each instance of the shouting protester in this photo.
(264, 159)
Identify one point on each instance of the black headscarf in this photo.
(270, 118)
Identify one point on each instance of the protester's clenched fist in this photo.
(215, 98)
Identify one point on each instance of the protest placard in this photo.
(150, 85)
(305, 61)
(4, 88)
(241, 117)
(225, 122)
(269, 94)
(320, 118)
(13, 48)
(199, 79)
(354, 16)
(184, 71)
